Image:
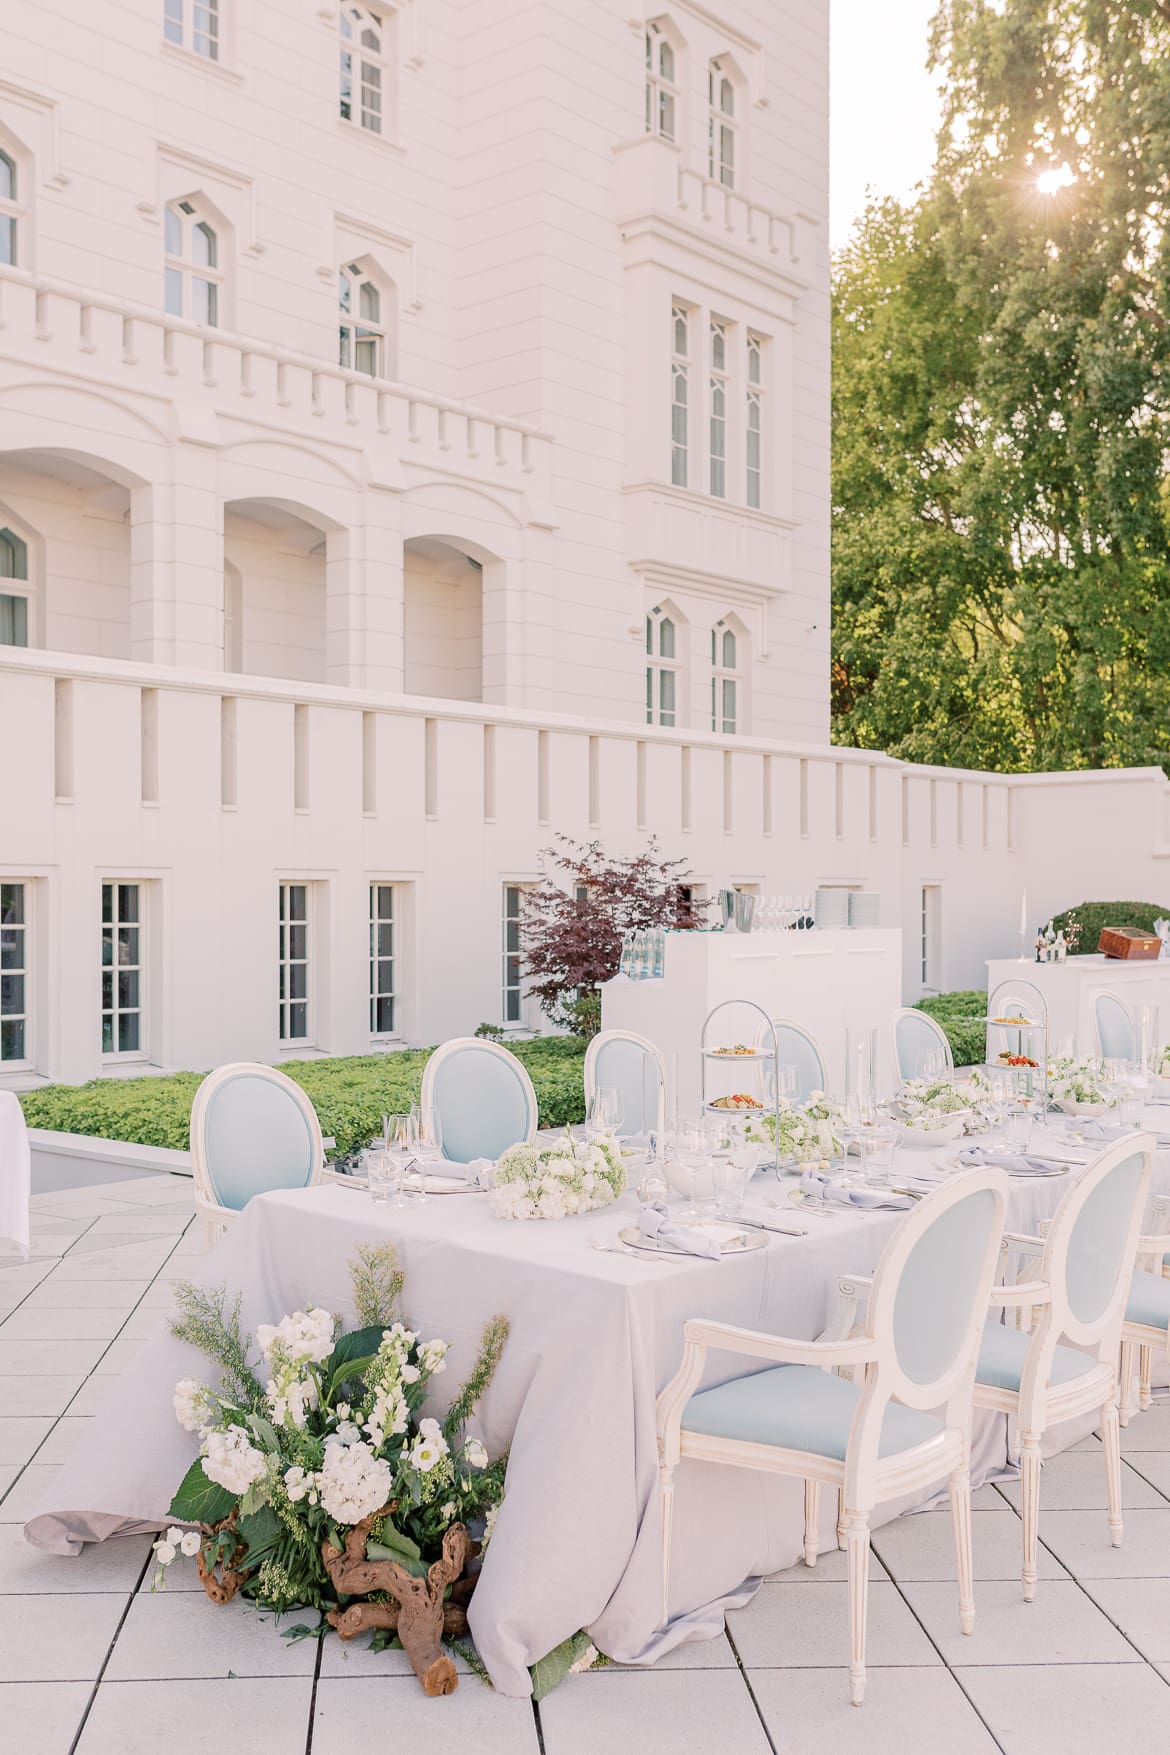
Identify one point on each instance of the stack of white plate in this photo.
(831, 908)
(864, 908)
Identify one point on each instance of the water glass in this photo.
(605, 1112)
(877, 1153)
(931, 1065)
(383, 1174)
(730, 1176)
(1017, 1126)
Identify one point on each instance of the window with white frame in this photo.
(362, 333)
(15, 1044)
(720, 126)
(725, 657)
(513, 995)
(661, 89)
(718, 415)
(13, 589)
(122, 969)
(194, 25)
(11, 212)
(381, 959)
(679, 392)
(365, 73)
(293, 999)
(194, 277)
(661, 668)
(755, 418)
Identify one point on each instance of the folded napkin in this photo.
(657, 1226)
(1105, 1132)
(972, 1157)
(821, 1187)
(454, 1170)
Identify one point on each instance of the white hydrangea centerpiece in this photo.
(552, 1182)
(803, 1132)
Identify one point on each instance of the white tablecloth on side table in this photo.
(15, 1173)
(594, 1337)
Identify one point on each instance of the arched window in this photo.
(362, 331)
(661, 89)
(718, 394)
(725, 663)
(720, 125)
(194, 277)
(661, 668)
(10, 211)
(755, 417)
(679, 392)
(365, 47)
(13, 589)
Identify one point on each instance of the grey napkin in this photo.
(971, 1157)
(657, 1227)
(837, 1194)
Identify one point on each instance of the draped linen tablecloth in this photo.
(594, 1337)
(15, 1173)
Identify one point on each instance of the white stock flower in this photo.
(296, 1484)
(475, 1454)
(190, 1543)
(195, 1406)
(348, 1432)
(164, 1552)
(353, 1482)
(232, 1461)
(303, 1338)
(342, 1410)
(489, 1524)
(429, 1447)
(432, 1356)
(447, 1510)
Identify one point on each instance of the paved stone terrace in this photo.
(91, 1661)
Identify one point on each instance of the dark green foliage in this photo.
(350, 1096)
(198, 1500)
(961, 1015)
(1090, 917)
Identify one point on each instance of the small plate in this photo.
(735, 1242)
(435, 1185)
(717, 1108)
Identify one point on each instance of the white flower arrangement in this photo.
(932, 1097)
(552, 1182)
(805, 1131)
(1076, 1081)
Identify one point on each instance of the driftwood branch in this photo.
(421, 1615)
(222, 1586)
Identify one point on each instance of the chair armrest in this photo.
(852, 1289)
(1019, 1243)
(1027, 1293)
(1152, 1250)
(782, 1349)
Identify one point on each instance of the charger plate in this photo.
(732, 1241)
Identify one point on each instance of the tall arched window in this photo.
(718, 420)
(661, 668)
(194, 276)
(10, 211)
(365, 48)
(755, 418)
(661, 89)
(679, 392)
(720, 125)
(362, 331)
(725, 661)
(13, 589)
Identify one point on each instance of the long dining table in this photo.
(594, 1336)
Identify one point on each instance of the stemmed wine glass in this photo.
(427, 1132)
(605, 1112)
(694, 1154)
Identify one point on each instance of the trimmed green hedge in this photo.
(1092, 916)
(350, 1095)
(961, 1016)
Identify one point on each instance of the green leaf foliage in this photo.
(199, 1500)
(961, 1017)
(1087, 919)
(1001, 410)
(350, 1095)
(550, 1671)
(351, 1358)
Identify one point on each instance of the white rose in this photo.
(164, 1552)
(190, 1543)
(475, 1454)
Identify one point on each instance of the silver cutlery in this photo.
(778, 1230)
(617, 1248)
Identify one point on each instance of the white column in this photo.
(176, 565)
(364, 599)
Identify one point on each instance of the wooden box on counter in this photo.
(1128, 943)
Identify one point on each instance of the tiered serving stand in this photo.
(1025, 1035)
(764, 1048)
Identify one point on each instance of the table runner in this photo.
(594, 1337)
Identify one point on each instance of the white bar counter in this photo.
(824, 979)
(1070, 988)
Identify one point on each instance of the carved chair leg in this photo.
(812, 1512)
(841, 1518)
(960, 1496)
(1125, 1382)
(1111, 1442)
(666, 1483)
(857, 1551)
(1145, 1371)
(1030, 1508)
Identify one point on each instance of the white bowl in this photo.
(948, 1129)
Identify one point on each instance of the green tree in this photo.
(1001, 560)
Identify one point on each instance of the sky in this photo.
(883, 104)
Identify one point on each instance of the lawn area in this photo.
(350, 1095)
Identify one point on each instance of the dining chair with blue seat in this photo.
(904, 1426)
(1066, 1364)
(253, 1130)
(915, 1040)
(1146, 1328)
(1114, 1027)
(483, 1097)
(621, 1061)
(796, 1047)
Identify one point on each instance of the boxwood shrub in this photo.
(960, 1016)
(350, 1095)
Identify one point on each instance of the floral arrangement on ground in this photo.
(551, 1182)
(320, 1484)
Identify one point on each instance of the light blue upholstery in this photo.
(1149, 1301)
(1096, 1247)
(1115, 1031)
(635, 1074)
(934, 1305)
(257, 1138)
(482, 1102)
(794, 1047)
(799, 1407)
(915, 1035)
(1003, 1352)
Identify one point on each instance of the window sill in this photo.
(353, 131)
(188, 58)
(22, 1078)
(695, 497)
(132, 1069)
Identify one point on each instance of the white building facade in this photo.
(414, 441)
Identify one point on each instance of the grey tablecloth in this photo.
(594, 1337)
